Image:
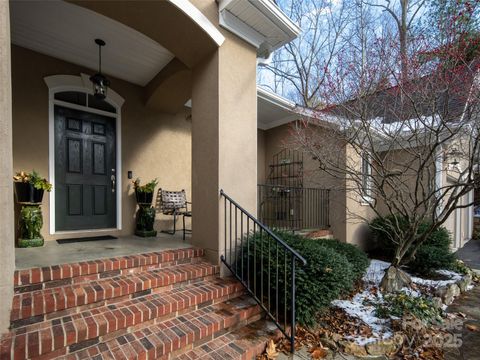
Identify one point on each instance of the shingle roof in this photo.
(445, 95)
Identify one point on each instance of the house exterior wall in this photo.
(224, 136)
(7, 251)
(347, 211)
(261, 160)
(278, 138)
(154, 144)
(358, 212)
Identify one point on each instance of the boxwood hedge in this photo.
(433, 254)
(330, 272)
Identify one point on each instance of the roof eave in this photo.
(283, 28)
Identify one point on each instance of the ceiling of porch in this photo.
(67, 32)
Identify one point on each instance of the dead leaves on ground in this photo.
(318, 352)
(335, 324)
(338, 322)
(270, 352)
(472, 327)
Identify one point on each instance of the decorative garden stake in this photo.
(146, 213)
(29, 189)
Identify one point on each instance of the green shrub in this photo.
(383, 235)
(459, 267)
(431, 257)
(354, 255)
(327, 275)
(433, 254)
(401, 304)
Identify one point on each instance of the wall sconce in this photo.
(452, 156)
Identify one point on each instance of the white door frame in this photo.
(82, 83)
(458, 228)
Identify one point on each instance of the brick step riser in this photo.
(245, 344)
(26, 307)
(55, 273)
(66, 339)
(200, 342)
(172, 349)
(20, 289)
(80, 308)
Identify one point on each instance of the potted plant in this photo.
(144, 193)
(29, 189)
(146, 213)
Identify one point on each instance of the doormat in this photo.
(82, 239)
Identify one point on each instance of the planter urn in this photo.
(27, 194)
(31, 218)
(145, 215)
(144, 198)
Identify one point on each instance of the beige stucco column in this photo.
(7, 251)
(224, 139)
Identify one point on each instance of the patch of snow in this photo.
(375, 272)
(453, 278)
(362, 307)
(450, 274)
(469, 287)
(410, 292)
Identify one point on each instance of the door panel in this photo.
(85, 159)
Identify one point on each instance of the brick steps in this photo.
(85, 271)
(71, 333)
(169, 339)
(44, 304)
(165, 305)
(244, 343)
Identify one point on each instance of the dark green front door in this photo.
(85, 193)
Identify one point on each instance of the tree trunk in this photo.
(403, 33)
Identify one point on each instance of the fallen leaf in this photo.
(271, 351)
(472, 327)
(318, 353)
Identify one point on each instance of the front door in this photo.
(85, 193)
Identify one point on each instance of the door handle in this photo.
(112, 180)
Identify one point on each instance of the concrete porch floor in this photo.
(53, 253)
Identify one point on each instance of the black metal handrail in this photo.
(248, 244)
(293, 208)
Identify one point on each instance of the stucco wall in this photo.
(154, 144)
(280, 137)
(358, 212)
(7, 252)
(261, 160)
(457, 223)
(224, 137)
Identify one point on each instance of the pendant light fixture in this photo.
(100, 82)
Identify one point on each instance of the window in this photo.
(81, 98)
(366, 178)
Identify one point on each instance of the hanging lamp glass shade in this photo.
(100, 86)
(100, 82)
